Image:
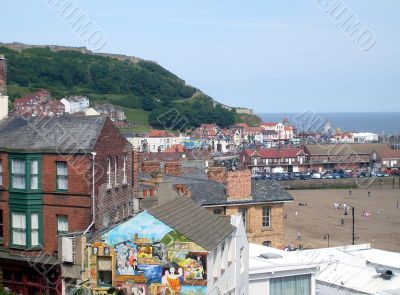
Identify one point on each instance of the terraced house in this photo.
(57, 175)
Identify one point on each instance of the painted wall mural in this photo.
(148, 257)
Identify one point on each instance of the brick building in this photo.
(323, 157)
(261, 203)
(48, 188)
(274, 160)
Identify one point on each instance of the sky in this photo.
(271, 56)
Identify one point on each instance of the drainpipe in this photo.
(93, 210)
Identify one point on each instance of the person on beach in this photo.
(298, 236)
(341, 222)
(369, 194)
(349, 192)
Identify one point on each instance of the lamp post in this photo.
(326, 237)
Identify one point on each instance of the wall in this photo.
(341, 183)
(149, 256)
(238, 184)
(116, 202)
(255, 232)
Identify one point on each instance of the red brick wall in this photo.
(217, 174)
(150, 167)
(112, 203)
(173, 168)
(238, 184)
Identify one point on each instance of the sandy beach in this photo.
(319, 217)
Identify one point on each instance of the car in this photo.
(327, 176)
(336, 176)
(305, 177)
(316, 176)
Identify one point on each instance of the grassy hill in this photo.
(147, 91)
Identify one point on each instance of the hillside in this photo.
(125, 81)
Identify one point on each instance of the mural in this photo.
(148, 257)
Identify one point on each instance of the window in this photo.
(34, 174)
(219, 211)
(62, 224)
(267, 243)
(266, 217)
(115, 171)
(293, 285)
(1, 173)
(18, 228)
(124, 179)
(62, 176)
(1, 225)
(104, 266)
(243, 213)
(18, 174)
(108, 172)
(34, 229)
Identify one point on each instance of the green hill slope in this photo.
(125, 81)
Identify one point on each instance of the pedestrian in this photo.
(341, 222)
(285, 216)
(369, 194)
(397, 204)
(298, 236)
(349, 192)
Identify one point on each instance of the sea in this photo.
(379, 123)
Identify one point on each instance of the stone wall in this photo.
(341, 183)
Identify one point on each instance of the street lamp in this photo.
(326, 237)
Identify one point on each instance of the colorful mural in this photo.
(148, 257)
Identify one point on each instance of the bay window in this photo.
(18, 174)
(34, 229)
(19, 228)
(34, 174)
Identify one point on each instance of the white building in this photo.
(155, 141)
(277, 272)
(365, 137)
(357, 269)
(75, 104)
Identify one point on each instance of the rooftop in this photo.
(194, 222)
(354, 267)
(50, 134)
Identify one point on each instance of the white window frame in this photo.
(62, 176)
(124, 178)
(63, 230)
(34, 229)
(265, 217)
(34, 175)
(18, 230)
(115, 171)
(14, 174)
(108, 172)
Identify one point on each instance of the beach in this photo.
(319, 217)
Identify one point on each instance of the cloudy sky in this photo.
(273, 56)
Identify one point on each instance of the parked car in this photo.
(336, 176)
(316, 176)
(305, 176)
(327, 176)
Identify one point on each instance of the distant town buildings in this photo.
(75, 104)
(38, 104)
(154, 141)
(114, 113)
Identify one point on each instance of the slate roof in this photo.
(262, 191)
(63, 134)
(194, 222)
(209, 193)
(342, 149)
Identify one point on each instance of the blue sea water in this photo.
(380, 123)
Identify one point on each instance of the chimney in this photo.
(216, 174)
(3, 75)
(173, 168)
(238, 185)
(3, 88)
